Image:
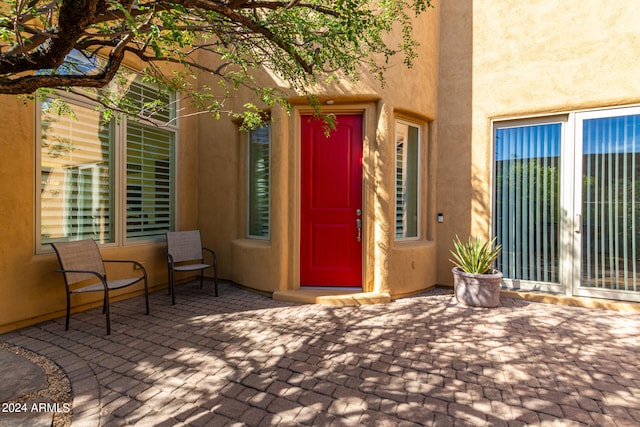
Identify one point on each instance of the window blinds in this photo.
(106, 180)
(76, 175)
(149, 180)
(611, 203)
(527, 201)
(259, 182)
(406, 180)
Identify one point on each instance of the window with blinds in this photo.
(259, 191)
(76, 175)
(150, 165)
(86, 191)
(527, 167)
(407, 152)
(611, 203)
(149, 180)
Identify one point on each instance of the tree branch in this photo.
(73, 18)
(251, 25)
(294, 38)
(29, 84)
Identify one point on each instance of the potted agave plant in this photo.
(475, 281)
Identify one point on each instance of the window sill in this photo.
(251, 243)
(413, 244)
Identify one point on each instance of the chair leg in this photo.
(169, 271)
(201, 278)
(106, 309)
(146, 294)
(66, 327)
(173, 289)
(215, 276)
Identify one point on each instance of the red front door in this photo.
(331, 221)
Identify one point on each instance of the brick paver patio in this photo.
(244, 359)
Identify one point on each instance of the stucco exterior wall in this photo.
(272, 265)
(512, 59)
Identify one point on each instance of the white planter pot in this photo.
(477, 290)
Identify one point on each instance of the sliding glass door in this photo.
(527, 203)
(567, 203)
(608, 196)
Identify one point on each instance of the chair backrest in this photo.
(184, 245)
(79, 255)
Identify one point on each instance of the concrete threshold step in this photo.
(332, 297)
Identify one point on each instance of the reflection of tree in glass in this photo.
(535, 182)
(527, 217)
(56, 145)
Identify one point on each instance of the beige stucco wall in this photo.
(389, 266)
(516, 59)
(30, 289)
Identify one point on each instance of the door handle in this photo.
(359, 228)
(578, 225)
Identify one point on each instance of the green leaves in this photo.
(475, 256)
(277, 50)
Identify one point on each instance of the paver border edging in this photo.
(85, 389)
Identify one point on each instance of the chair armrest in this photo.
(213, 254)
(95, 273)
(140, 266)
(103, 279)
(169, 259)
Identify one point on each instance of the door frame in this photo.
(565, 267)
(575, 285)
(366, 110)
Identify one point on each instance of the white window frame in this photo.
(119, 180)
(418, 178)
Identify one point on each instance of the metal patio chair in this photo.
(84, 271)
(185, 253)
